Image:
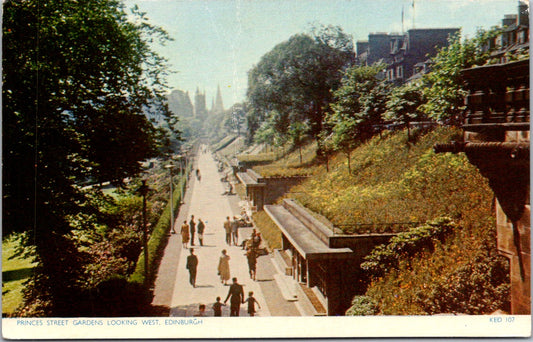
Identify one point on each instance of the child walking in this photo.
(251, 303)
(217, 308)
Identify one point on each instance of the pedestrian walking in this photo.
(192, 265)
(251, 303)
(251, 255)
(200, 230)
(198, 176)
(256, 239)
(237, 297)
(185, 234)
(223, 267)
(235, 231)
(227, 228)
(217, 308)
(192, 228)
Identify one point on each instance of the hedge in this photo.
(158, 239)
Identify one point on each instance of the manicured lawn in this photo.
(15, 271)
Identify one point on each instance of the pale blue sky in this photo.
(216, 42)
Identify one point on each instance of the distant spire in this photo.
(402, 20)
(218, 106)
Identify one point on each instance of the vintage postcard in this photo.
(197, 169)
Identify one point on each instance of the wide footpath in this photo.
(205, 200)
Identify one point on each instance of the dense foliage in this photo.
(79, 82)
(296, 78)
(358, 108)
(443, 87)
(386, 257)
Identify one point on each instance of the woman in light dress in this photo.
(185, 234)
(223, 267)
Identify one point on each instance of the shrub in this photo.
(386, 257)
(481, 286)
(363, 306)
(157, 241)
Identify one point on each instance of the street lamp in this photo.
(143, 190)
(170, 167)
(180, 160)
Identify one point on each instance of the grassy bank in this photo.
(15, 272)
(397, 181)
(269, 231)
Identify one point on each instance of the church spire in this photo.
(218, 105)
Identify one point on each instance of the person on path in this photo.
(251, 255)
(223, 267)
(185, 234)
(198, 176)
(251, 303)
(201, 311)
(192, 226)
(192, 265)
(256, 240)
(201, 228)
(227, 228)
(235, 231)
(217, 308)
(237, 297)
(249, 243)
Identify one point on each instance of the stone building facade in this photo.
(413, 48)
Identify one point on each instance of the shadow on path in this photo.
(190, 310)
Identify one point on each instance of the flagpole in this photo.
(413, 13)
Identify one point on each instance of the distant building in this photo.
(409, 52)
(376, 49)
(180, 103)
(218, 106)
(514, 37)
(405, 54)
(200, 108)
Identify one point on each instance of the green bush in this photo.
(386, 257)
(157, 241)
(481, 286)
(363, 306)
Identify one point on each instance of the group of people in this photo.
(236, 298)
(235, 293)
(232, 231)
(188, 231)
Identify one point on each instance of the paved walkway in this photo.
(204, 200)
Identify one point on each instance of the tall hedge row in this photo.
(158, 238)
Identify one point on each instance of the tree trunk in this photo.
(349, 166)
(300, 150)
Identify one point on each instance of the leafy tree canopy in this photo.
(297, 77)
(79, 79)
(359, 105)
(443, 86)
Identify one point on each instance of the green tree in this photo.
(79, 82)
(358, 108)
(443, 86)
(268, 134)
(297, 132)
(403, 106)
(296, 78)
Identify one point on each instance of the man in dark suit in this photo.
(237, 297)
(192, 227)
(192, 264)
